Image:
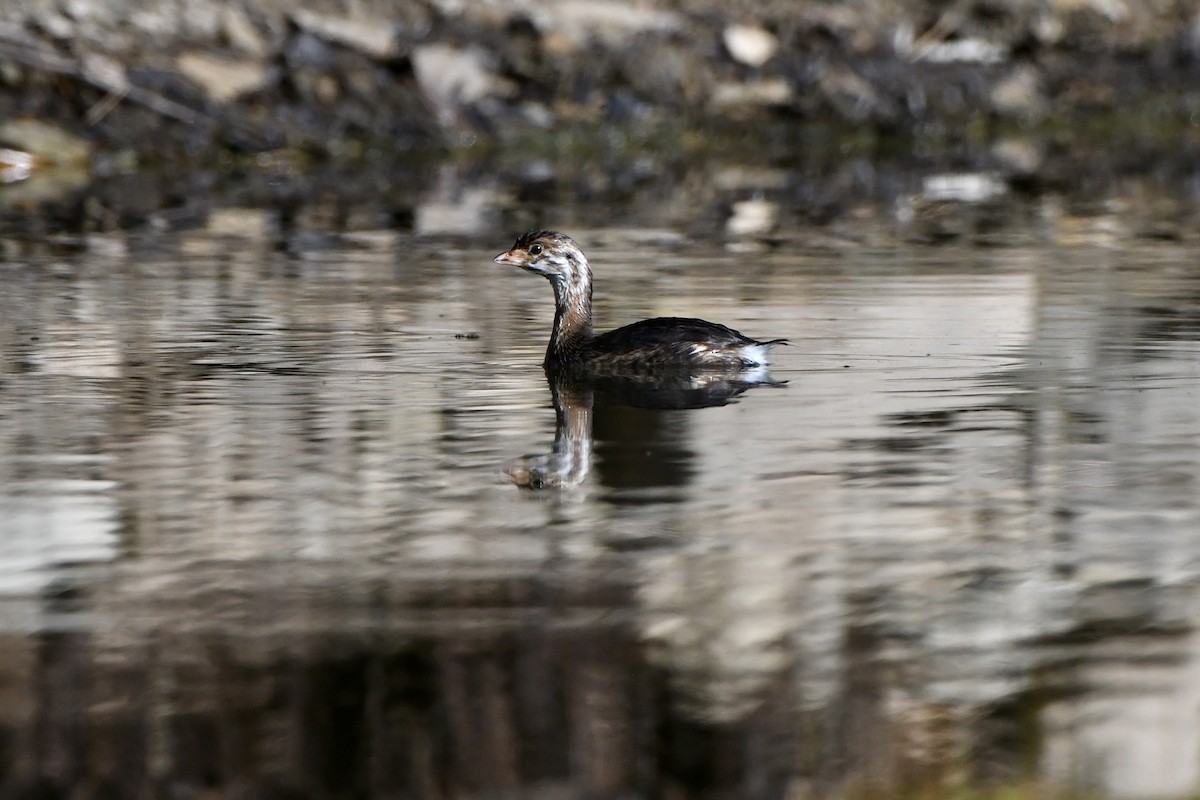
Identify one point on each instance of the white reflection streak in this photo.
(1136, 734)
(44, 525)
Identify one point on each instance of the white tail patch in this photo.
(760, 354)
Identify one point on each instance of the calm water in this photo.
(261, 533)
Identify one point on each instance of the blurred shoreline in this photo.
(821, 106)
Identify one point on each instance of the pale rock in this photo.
(742, 178)
(56, 25)
(750, 44)
(105, 72)
(538, 115)
(963, 187)
(1114, 11)
(153, 22)
(223, 80)
(83, 10)
(607, 21)
(1018, 156)
(372, 37)
(15, 165)
(966, 51)
(751, 217)
(1049, 28)
(241, 223)
(241, 33)
(771, 92)
(1019, 93)
(453, 77)
(45, 142)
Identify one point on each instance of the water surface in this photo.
(259, 530)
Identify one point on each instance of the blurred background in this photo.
(288, 507)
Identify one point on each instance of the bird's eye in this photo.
(535, 249)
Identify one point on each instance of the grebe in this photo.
(659, 342)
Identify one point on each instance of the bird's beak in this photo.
(511, 257)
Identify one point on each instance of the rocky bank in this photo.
(109, 87)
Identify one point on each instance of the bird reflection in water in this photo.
(577, 395)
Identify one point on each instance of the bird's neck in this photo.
(572, 319)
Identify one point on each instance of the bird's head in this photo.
(549, 253)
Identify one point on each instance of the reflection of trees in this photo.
(502, 682)
(319, 682)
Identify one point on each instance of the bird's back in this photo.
(679, 341)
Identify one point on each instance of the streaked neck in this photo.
(572, 317)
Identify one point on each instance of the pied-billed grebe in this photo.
(659, 342)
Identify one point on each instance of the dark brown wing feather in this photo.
(669, 331)
(680, 341)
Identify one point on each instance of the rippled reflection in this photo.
(257, 536)
(575, 397)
